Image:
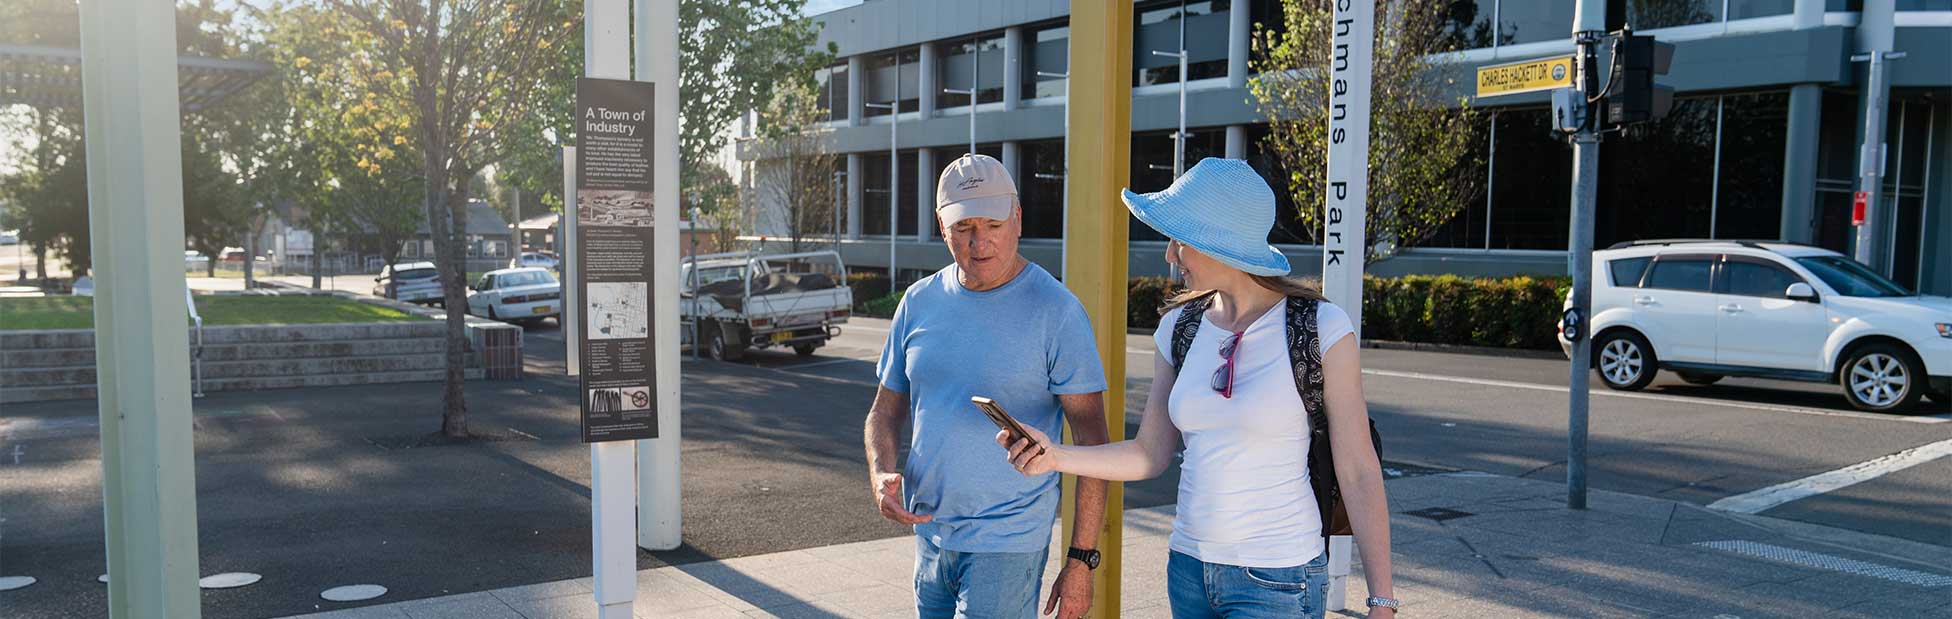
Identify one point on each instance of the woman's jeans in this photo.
(1200, 590)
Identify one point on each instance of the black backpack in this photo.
(1305, 354)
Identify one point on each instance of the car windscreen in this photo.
(1850, 278)
(416, 274)
(523, 278)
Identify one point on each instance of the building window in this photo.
(1049, 53)
(1657, 181)
(832, 82)
(1157, 28)
(874, 195)
(1467, 24)
(1268, 18)
(1040, 187)
(1650, 14)
(1466, 229)
(1528, 21)
(1152, 164)
(894, 76)
(1920, 5)
(1531, 182)
(1749, 194)
(978, 58)
(1744, 9)
(1287, 220)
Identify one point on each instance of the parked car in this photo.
(1709, 309)
(413, 282)
(193, 259)
(741, 301)
(9, 237)
(537, 259)
(522, 295)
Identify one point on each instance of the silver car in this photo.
(413, 282)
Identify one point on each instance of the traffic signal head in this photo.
(1635, 98)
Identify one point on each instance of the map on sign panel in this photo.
(618, 310)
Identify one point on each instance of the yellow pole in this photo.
(1098, 130)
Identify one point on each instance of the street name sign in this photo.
(1525, 76)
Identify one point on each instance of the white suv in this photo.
(1708, 309)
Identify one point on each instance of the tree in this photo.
(448, 81)
(49, 187)
(795, 173)
(733, 54)
(1424, 150)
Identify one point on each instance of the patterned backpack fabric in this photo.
(1305, 355)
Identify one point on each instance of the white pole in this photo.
(613, 473)
(135, 208)
(1348, 198)
(659, 513)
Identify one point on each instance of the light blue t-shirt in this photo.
(1021, 344)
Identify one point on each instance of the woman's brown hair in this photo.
(1287, 286)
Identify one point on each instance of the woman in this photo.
(1247, 539)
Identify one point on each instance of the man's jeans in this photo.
(1200, 590)
(976, 585)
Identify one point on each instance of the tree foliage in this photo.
(1424, 150)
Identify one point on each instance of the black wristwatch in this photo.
(1089, 557)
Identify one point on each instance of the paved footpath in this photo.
(1466, 545)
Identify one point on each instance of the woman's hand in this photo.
(1034, 455)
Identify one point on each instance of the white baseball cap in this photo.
(974, 186)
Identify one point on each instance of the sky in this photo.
(816, 7)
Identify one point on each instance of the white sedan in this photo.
(522, 295)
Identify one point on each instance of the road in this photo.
(317, 488)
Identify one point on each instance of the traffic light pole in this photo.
(1587, 32)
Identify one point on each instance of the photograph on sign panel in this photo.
(618, 310)
(620, 399)
(613, 207)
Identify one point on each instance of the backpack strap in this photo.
(1305, 355)
(1187, 327)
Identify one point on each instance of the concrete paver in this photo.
(1510, 550)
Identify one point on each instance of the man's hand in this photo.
(887, 491)
(1071, 594)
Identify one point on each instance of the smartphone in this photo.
(1002, 419)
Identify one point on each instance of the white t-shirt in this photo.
(1244, 497)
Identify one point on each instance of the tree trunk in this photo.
(250, 255)
(449, 262)
(318, 260)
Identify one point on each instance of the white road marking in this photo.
(1829, 562)
(1658, 397)
(1766, 498)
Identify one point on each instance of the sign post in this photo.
(1345, 240)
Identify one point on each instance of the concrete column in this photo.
(142, 349)
(1799, 163)
(1236, 141)
(924, 194)
(1012, 67)
(855, 81)
(854, 195)
(1010, 151)
(1240, 31)
(928, 79)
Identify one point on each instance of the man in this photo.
(993, 325)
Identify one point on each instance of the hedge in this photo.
(1513, 312)
(867, 287)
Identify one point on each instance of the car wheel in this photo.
(1699, 379)
(805, 350)
(719, 349)
(1624, 360)
(1882, 378)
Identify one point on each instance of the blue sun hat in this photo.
(1223, 209)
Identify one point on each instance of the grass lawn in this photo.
(18, 314)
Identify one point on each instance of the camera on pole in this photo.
(1633, 97)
